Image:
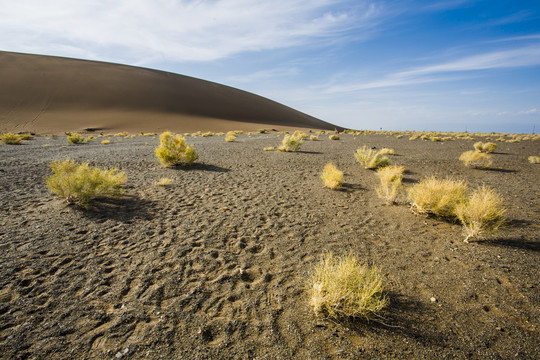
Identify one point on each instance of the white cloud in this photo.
(530, 111)
(175, 30)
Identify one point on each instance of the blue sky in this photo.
(448, 65)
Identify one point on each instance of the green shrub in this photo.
(390, 186)
(438, 197)
(341, 288)
(80, 183)
(173, 151)
(332, 177)
(371, 159)
(481, 213)
(76, 138)
(10, 138)
(291, 143)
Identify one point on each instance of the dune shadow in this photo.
(399, 317)
(123, 208)
(516, 242)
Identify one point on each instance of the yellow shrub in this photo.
(438, 197)
(27, 137)
(76, 138)
(477, 160)
(173, 150)
(390, 187)
(371, 159)
(10, 139)
(105, 142)
(270, 148)
(481, 213)
(333, 137)
(341, 288)
(206, 134)
(332, 177)
(313, 137)
(291, 143)
(534, 159)
(387, 151)
(230, 137)
(485, 147)
(80, 183)
(164, 181)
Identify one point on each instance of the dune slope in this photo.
(54, 94)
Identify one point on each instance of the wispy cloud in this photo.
(513, 58)
(176, 30)
(530, 112)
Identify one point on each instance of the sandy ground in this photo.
(215, 266)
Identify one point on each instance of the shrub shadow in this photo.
(515, 242)
(501, 170)
(401, 318)
(201, 166)
(308, 152)
(123, 208)
(347, 187)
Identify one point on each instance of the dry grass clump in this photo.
(10, 138)
(206, 134)
(487, 148)
(121, 134)
(173, 150)
(270, 148)
(534, 159)
(387, 151)
(105, 142)
(438, 197)
(165, 181)
(291, 142)
(477, 160)
(481, 213)
(334, 137)
(342, 288)
(371, 159)
(27, 137)
(230, 136)
(332, 177)
(390, 187)
(80, 183)
(76, 138)
(313, 137)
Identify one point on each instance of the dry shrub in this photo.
(534, 159)
(230, 137)
(10, 138)
(332, 177)
(173, 150)
(80, 183)
(477, 160)
(105, 142)
(76, 138)
(438, 197)
(165, 181)
(390, 187)
(481, 213)
(206, 134)
(334, 137)
(387, 151)
(485, 147)
(371, 159)
(291, 143)
(27, 137)
(270, 148)
(341, 288)
(313, 137)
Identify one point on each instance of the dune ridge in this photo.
(53, 94)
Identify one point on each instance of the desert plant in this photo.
(76, 138)
(164, 181)
(481, 213)
(80, 183)
(485, 147)
(230, 137)
(438, 197)
(342, 287)
(477, 160)
(10, 138)
(534, 159)
(332, 177)
(300, 135)
(27, 137)
(291, 143)
(334, 137)
(173, 150)
(387, 151)
(270, 148)
(390, 187)
(313, 137)
(371, 159)
(105, 142)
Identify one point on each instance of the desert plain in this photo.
(216, 265)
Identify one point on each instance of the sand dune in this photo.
(52, 95)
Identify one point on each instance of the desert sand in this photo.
(215, 265)
(47, 94)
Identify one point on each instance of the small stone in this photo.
(432, 299)
(499, 328)
(119, 355)
(225, 208)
